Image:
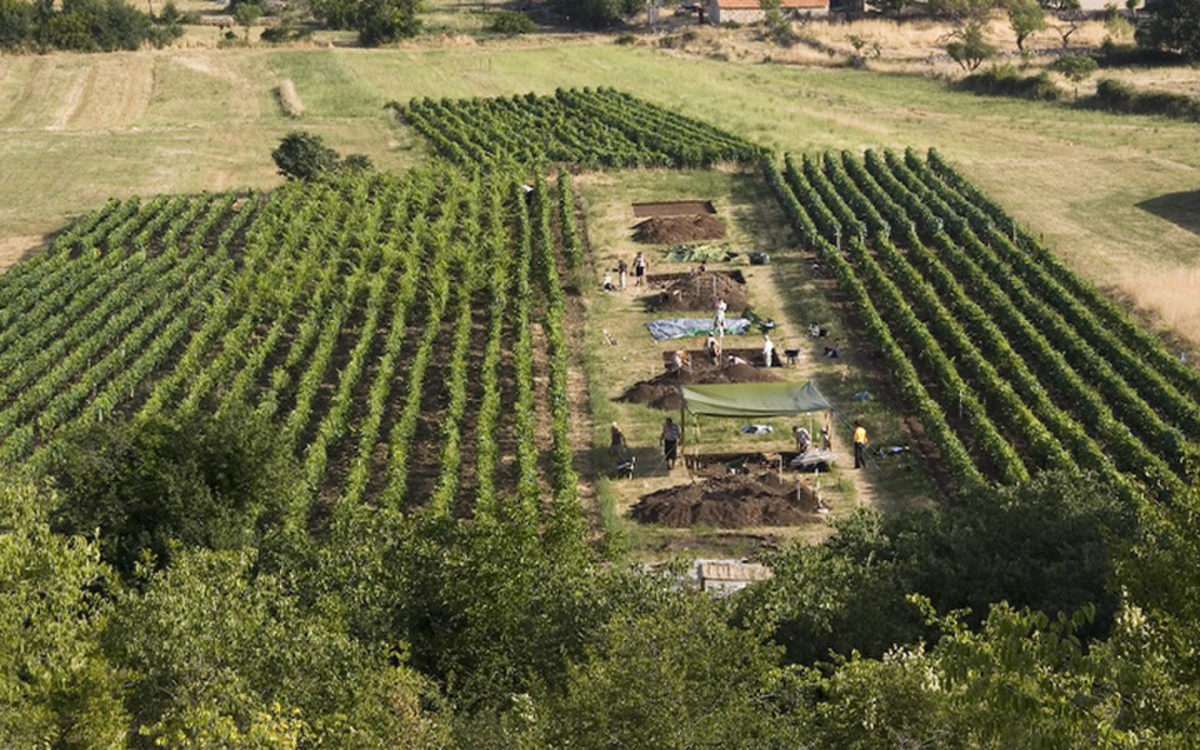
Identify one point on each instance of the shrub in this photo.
(1004, 80)
(1116, 96)
(302, 156)
(163, 34)
(511, 22)
(357, 163)
(1115, 55)
(595, 13)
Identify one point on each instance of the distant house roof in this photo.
(785, 4)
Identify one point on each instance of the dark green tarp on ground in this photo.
(753, 399)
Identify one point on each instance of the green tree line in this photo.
(82, 25)
(155, 589)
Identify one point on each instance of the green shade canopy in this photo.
(753, 399)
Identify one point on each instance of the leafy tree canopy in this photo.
(971, 48)
(376, 21)
(595, 13)
(1045, 545)
(1026, 18)
(151, 484)
(1172, 26)
(57, 689)
(227, 657)
(302, 156)
(511, 22)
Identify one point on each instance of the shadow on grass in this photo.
(648, 462)
(1181, 209)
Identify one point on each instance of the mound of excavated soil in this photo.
(662, 391)
(660, 230)
(699, 291)
(729, 502)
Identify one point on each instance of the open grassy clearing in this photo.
(1076, 177)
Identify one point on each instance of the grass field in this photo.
(75, 129)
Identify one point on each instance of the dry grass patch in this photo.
(15, 249)
(895, 46)
(1173, 296)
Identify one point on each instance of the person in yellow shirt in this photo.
(860, 445)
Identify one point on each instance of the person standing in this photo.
(616, 448)
(622, 273)
(670, 442)
(713, 347)
(803, 439)
(719, 315)
(860, 445)
(639, 268)
(826, 441)
(768, 350)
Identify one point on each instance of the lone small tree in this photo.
(778, 28)
(1026, 18)
(1069, 22)
(246, 14)
(1075, 67)
(970, 49)
(385, 21)
(302, 156)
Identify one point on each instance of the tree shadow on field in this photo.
(1181, 209)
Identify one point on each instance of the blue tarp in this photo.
(679, 328)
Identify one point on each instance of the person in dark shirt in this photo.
(616, 448)
(670, 442)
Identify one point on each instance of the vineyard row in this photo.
(1010, 361)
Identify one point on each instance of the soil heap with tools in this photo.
(660, 230)
(662, 391)
(730, 502)
(699, 291)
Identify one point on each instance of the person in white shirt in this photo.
(713, 347)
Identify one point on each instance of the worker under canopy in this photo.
(753, 399)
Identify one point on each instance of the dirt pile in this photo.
(660, 230)
(729, 502)
(699, 291)
(662, 391)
